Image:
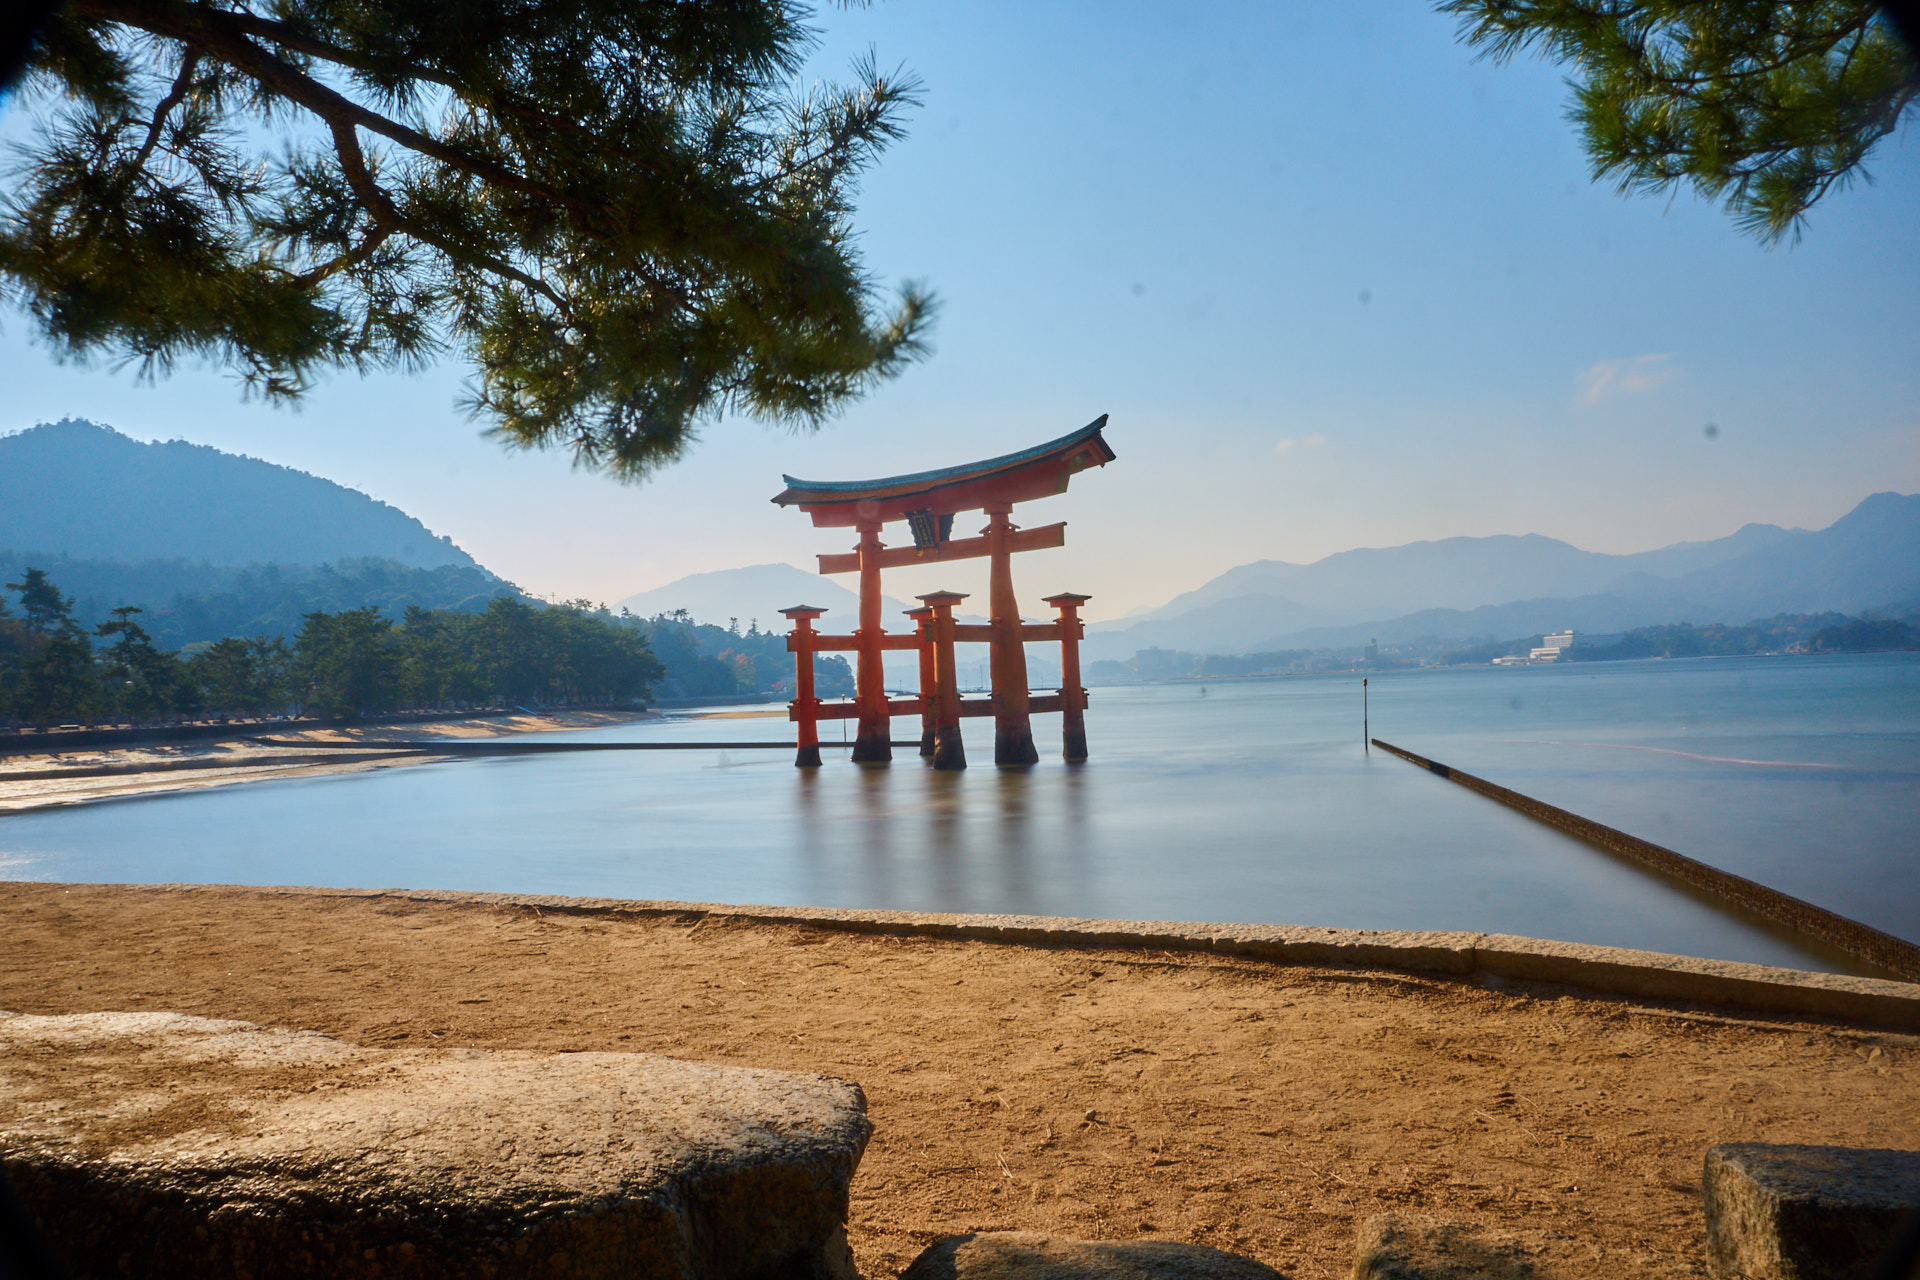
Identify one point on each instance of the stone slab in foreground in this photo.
(1030, 1255)
(1779, 1212)
(160, 1145)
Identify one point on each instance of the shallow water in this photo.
(1251, 801)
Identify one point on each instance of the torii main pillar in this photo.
(873, 739)
(1012, 726)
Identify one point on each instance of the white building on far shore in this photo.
(1552, 648)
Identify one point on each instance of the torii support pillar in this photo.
(873, 741)
(1012, 725)
(923, 633)
(948, 751)
(805, 708)
(1073, 695)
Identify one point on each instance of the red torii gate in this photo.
(928, 502)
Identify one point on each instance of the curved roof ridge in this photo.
(796, 489)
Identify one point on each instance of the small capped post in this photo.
(1073, 694)
(804, 710)
(948, 751)
(923, 641)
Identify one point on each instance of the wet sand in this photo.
(1256, 1107)
(219, 763)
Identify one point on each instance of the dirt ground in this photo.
(31, 781)
(1103, 1094)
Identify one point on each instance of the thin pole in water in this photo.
(1365, 745)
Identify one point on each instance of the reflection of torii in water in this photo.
(928, 502)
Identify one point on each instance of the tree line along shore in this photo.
(346, 664)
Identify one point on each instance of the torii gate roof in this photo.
(1038, 472)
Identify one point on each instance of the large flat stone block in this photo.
(1031, 1255)
(159, 1145)
(1805, 1213)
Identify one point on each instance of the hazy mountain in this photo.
(759, 592)
(1456, 573)
(1465, 587)
(1867, 560)
(76, 489)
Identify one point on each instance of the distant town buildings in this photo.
(1552, 648)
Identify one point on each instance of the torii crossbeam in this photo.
(928, 502)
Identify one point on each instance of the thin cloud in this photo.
(1308, 442)
(1631, 377)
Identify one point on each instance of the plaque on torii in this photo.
(928, 502)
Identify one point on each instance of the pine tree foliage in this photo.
(1766, 105)
(620, 211)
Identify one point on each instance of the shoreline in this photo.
(34, 782)
(1093, 1078)
(1489, 959)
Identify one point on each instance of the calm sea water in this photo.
(1249, 801)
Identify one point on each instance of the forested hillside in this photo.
(185, 602)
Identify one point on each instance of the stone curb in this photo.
(1611, 971)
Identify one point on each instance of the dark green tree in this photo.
(439, 666)
(244, 677)
(47, 611)
(1766, 105)
(623, 214)
(136, 678)
(15, 643)
(58, 682)
(351, 662)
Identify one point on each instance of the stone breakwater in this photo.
(1864, 942)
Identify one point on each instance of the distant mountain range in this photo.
(759, 592)
(212, 544)
(1455, 589)
(1464, 588)
(79, 489)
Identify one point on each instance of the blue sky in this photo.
(1337, 282)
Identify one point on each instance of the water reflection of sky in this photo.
(1252, 803)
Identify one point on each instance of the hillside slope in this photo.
(77, 489)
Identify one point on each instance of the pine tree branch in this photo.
(380, 207)
(213, 31)
(286, 36)
(369, 244)
(181, 84)
(220, 33)
(203, 28)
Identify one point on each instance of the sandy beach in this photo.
(33, 781)
(1253, 1106)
